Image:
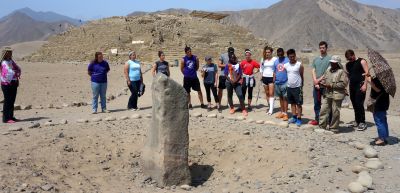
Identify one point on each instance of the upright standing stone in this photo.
(165, 155)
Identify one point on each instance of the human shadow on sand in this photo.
(200, 174)
(33, 119)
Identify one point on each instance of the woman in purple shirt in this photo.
(97, 71)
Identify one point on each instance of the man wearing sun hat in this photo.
(335, 82)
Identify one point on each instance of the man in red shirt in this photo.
(248, 65)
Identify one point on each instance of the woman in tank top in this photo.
(134, 78)
(161, 66)
(267, 72)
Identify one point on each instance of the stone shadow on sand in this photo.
(33, 119)
(200, 174)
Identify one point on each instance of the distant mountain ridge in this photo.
(48, 16)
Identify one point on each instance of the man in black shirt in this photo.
(356, 68)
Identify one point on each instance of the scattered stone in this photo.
(231, 118)
(220, 116)
(149, 116)
(197, 114)
(374, 163)
(166, 151)
(270, 123)
(356, 187)
(370, 152)
(67, 148)
(110, 119)
(358, 169)
(17, 107)
(76, 104)
(15, 128)
(365, 179)
(246, 133)
(27, 107)
(58, 107)
(260, 122)
(240, 118)
(61, 135)
(284, 124)
(82, 121)
(84, 103)
(249, 121)
(63, 121)
(186, 187)
(49, 124)
(212, 116)
(65, 105)
(6, 133)
(123, 118)
(38, 107)
(50, 106)
(47, 187)
(359, 145)
(136, 116)
(34, 125)
(96, 119)
(319, 130)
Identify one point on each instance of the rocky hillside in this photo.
(19, 27)
(344, 23)
(146, 34)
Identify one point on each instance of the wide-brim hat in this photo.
(336, 59)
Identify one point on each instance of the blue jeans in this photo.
(99, 89)
(381, 124)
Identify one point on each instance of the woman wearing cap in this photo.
(10, 74)
(335, 81)
(248, 65)
(97, 71)
(210, 74)
(133, 76)
(233, 74)
(267, 71)
(161, 66)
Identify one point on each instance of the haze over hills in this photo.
(27, 25)
(167, 11)
(343, 23)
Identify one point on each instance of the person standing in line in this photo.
(319, 67)
(223, 61)
(280, 81)
(267, 71)
(10, 74)
(335, 82)
(295, 84)
(134, 78)
(189, 67)
(382, 103)
(355, 68)
(161, 66)
(97, 71)
(234, 80)
(210, 74)
(249, 82)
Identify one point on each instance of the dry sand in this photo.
(227, 155)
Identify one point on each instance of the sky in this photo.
(94, 9)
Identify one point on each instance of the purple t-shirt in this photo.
(189, 70)
(99, 71)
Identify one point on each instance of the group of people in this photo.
(281, 76)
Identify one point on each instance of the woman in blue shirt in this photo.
(97, 71)
(134, 78)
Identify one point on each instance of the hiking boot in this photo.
(362, 127)
(279, 116)
(285, 117)
(245, 113)
(313, 122)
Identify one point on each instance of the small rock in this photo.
(240, 118)
(17, 107)
(84, 103)
(365, 179)
(58, 107)
(356, 187)
(67, 148)
(212, 116)
(47, 187)
(284, 124)
(34, 125)
(49, 124)
(61, 135)
(63, 122)
(358, 169)
(65, 105)
(370, 152)
(359, 145)
(250, 121)
(260, 122)
(231, 118)
(6, 133)
(50, 106)
(15, 128)
(27, 107)
(319, 130)
(110, 119)
(38, 107)
(270, 123)
(96, 119)
(123, 118)
(82, 121)
(196, 114)
(374, 163)
(148, 116)
(246, 133)
(136, 116)
(186, 187)
(220, 116)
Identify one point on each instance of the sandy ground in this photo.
(227, 155)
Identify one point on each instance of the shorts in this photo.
(281, 90)
(267, 80)
(221, 82)
(295, 95)
(191, 83)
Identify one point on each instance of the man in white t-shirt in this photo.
(295, 84)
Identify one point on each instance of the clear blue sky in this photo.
(91, 9)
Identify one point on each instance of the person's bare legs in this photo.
(299, 109)
(285, 105)
(293, 107)
(281, 104)
(266, 90)
(200, 97)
